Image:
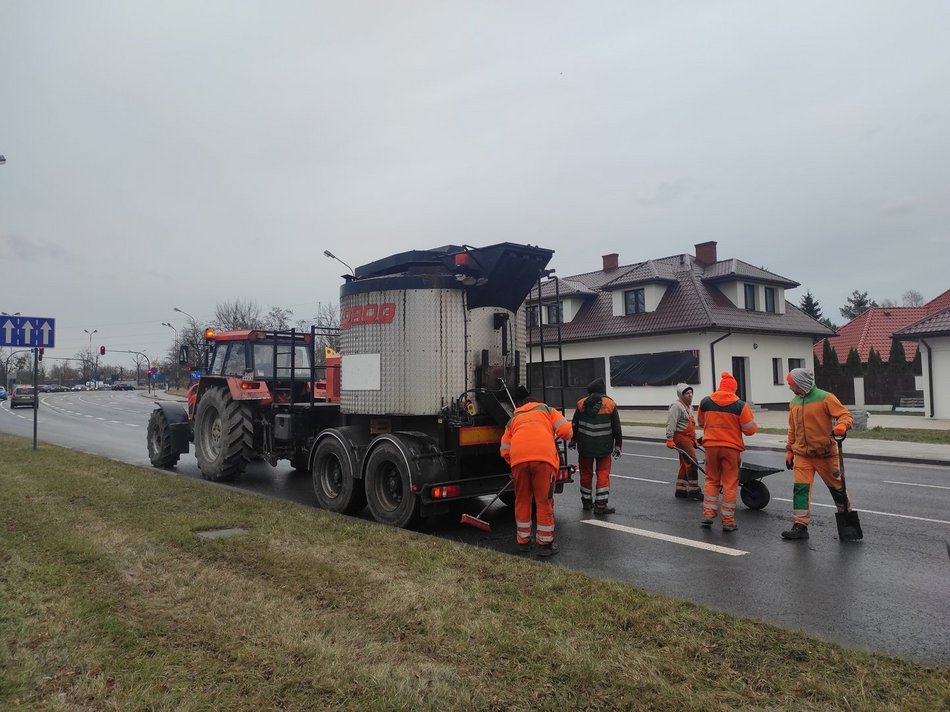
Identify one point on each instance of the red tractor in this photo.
(261, 396)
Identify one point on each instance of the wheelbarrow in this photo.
(752, 490)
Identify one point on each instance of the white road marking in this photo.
(653, 457)
(914, 484)
(871, 511)
(666, 537)
(641, 479)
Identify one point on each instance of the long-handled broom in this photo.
(477, 521)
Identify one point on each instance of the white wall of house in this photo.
(570, 307)
(757, 350)
(937, 358)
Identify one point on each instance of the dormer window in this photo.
(749, 296)
(531, 317)
(770, 299)
(554, 313)
(634, 301)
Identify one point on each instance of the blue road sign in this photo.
(27, 331)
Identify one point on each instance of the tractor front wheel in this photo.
(159, 436)
(224, 436)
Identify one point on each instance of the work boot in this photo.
(706, 522)
(798, 531)
(586, 505)
(548, 549)
(680, 494)
(696, 496)
(729, 527)
(524, 548)
(601, 510)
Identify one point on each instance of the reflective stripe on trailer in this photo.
(480, 435)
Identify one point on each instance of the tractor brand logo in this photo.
(367, 314)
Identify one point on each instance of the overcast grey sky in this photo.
(183, 153)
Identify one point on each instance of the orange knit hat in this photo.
(728, 383)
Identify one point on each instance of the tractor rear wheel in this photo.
(159, 436)
(388, 489)
(334, 485)
(224, 436)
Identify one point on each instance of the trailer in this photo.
(407, 418)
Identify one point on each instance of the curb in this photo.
(850, 455)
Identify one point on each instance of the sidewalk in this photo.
(895, 450)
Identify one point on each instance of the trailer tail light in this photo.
(446, 492)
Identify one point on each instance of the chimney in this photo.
(706, 253)
(611, 261)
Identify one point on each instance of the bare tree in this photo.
(277, 319)
(912, 298)
(887, 303)
(238, 314)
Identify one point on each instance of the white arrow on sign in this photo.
(8, 327)
(27, 330)
(46, 328)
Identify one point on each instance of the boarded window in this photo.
(666, 368)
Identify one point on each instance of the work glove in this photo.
(572, 445)
(670, 444)
(696, 443)
(839, 430)
(617, 452)
(699, 441)
(789, 460)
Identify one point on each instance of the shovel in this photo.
(849, 526)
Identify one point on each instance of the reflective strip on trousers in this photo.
(524, 532)
(545, 535)
(585, 492)
(602, 496)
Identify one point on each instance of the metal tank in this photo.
(421, 329)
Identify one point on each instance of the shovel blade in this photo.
(849, 526)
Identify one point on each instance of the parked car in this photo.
(3, 393)
(123, 387)
(22, 395)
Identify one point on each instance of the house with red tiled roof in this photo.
(647, 326)
(932, 334)
(874, 327)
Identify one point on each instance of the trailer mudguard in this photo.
(421, 455)
(178, 424)
(353, 441)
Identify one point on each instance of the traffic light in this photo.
(102, 350)
(39, 352)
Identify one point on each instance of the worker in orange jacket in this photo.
(681, 434)
(528, 446)
(725, 419)
(814, 416)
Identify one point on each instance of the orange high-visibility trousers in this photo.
(534, 483)
(687, 479)
(827, 469)
(587, 465)
(722, 469)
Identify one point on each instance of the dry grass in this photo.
(109, 600)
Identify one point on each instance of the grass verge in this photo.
(109, 600)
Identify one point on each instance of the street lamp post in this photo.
(177, 365)
(334, 257)
(94, 331)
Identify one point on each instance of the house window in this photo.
(634, 301)
(750, 297)
(770, 299)
(554, 313)
(531, 317)
(796, 363)
(778, 376)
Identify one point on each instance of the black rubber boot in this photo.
(586, 504)
(600, 511)
(680, 494)
(548, 549)
(798, 531)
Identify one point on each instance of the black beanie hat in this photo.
(597, 386)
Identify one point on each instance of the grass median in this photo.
(110, 600)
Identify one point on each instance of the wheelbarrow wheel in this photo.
(755, 494)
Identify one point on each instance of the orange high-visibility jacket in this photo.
(724, 419)
(529, 435)
(810, 420)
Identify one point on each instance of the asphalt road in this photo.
(889, 593)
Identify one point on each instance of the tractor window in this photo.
(264, 361)
(234, 364)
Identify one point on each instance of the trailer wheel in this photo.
(388, 491)
(159, 436)
(224, 434)
(755, 494)
(334, 485)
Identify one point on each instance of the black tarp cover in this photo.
(666, 368)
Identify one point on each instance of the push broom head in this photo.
(475, 522)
